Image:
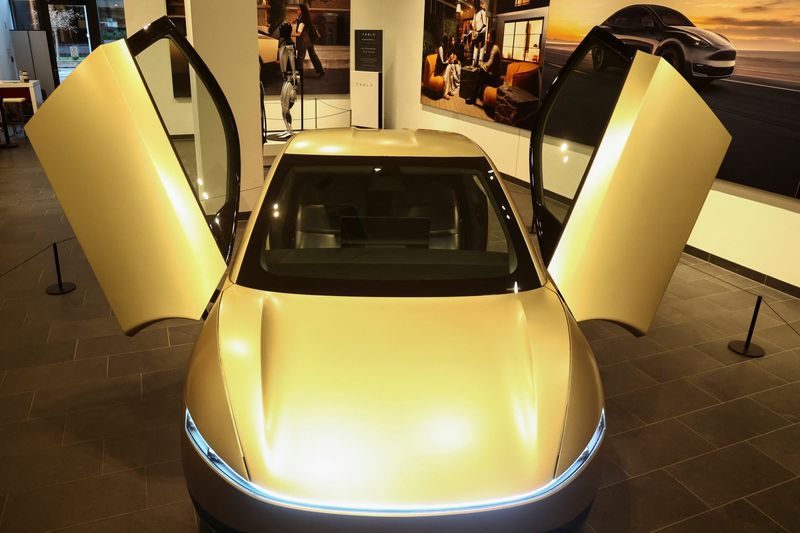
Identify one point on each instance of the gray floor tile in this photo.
(163, 382)
(718, 349)
(734, 300)
(738, 322)
(86, 395)
(84, 329)
(75, 502)
(782, 336)
(781, 503)
(789, 309)
(783, 400)
(733, 421)
(53, 376)
(149, 360)
(643, 503)
(38, 354)
(736, 381)
(665, 400)
(623, 377)
(16, 407)
(655, 446)
(696, 288)
(144, 448)
(738, 516)
(184, 334)
(50, 466)
(30, 435)
(165, 484)
(619, 419)
(675, 364)
(109, 421)
(684, 334)
(729, 474)
(114, 344)
(624, 348)
(175, 518)
(785, 365)
(783, 446)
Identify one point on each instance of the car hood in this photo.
(714, 38)
(396, 403)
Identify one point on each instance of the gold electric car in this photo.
(387, 348)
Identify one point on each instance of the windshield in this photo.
(386, 226)
(670, 17)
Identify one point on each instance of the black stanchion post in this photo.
(62, 287)
(745, 347)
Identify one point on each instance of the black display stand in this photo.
(745, 347)
(62, 287)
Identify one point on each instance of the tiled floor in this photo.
(699, 438)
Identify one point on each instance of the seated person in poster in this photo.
(489, 71)
(452, 72)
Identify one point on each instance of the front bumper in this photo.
(226, 507)
(711, 63)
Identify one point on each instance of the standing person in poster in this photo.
(306, 36)
(286, 56)
(479, 25)
(489, 70)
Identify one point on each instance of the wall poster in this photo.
(484, 58)
(741, 56)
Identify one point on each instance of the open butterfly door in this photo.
(622, 158)
(149, 181)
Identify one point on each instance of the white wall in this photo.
(225, 36)
(752, 228)
(8, 67)
(177, 112)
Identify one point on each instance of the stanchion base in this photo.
(8, 145)
(753, 350)
(65, 288)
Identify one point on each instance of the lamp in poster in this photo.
(484, 58)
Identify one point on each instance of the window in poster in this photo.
(522, 39)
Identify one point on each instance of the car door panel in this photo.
(116, 173)
(631, 203)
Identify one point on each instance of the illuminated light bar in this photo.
(233, 477)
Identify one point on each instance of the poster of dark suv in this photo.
(743, 58)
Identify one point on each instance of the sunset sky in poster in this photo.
(750, 25)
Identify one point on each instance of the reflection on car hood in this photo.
(713, 38)
(387, 403)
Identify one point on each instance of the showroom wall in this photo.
(8, 67)
(177, 112)
(217, 39)
(755, 229)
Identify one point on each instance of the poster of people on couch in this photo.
(484, 58)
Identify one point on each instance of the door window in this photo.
(569, 128)
(200, 126)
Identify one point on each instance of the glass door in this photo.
(76, 32)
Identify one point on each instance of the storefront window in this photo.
(112, 20)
